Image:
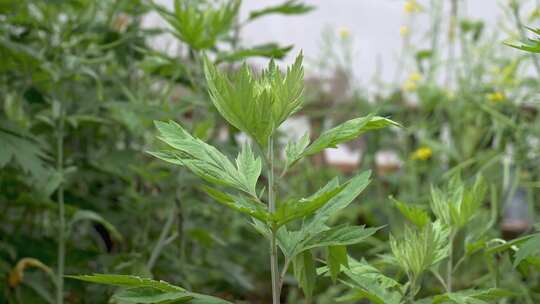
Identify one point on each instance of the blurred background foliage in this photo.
(81, 84)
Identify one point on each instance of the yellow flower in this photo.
(412, 82)
(344, 32)
(422, 153)
(404, 30)
(411, 6)
(496, 97)
(415, 77)
(409, 86)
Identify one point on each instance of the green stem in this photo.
(163, 240)
(61, 208)
(412, 291)
(283, 273)
(450, 265)
(440, 279)
(450, 71)
(497, 272)
(182, 216)
(436, 12)
(272, 208)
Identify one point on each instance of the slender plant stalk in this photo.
(412, 291)
(497, 271)
(436, 13)
(163, 240)
(272, 208)
(452, 42)
(182, 216)
(61, 208)
(440, 279)
(450, 265)
(283, 273)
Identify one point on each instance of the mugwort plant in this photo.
(294, 227)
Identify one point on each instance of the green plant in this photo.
(424, 248)
(258, 106)
(420, 250)
(531, 45)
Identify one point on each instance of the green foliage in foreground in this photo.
(258, 107)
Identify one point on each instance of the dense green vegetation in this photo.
(130, 166)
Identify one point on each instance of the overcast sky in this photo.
(374, 27)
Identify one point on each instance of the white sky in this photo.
(374, 27)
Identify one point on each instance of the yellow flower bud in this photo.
(404, 30)
(415, 77)
(411, 6)
(344, 32)
(423, 153)
(409, 86)
(496, 96)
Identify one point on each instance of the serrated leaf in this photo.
(290, 7)
(269, 50)
(441, 206)
(342, 235)
(531, 45)
(297, 209)
(528, 248)
(206, 161)
(415, 215)
(162, 287)
(291, 242)
(473, 296)
(305, 272)
(369, 283)
(336, 257)
(128, 281)
(472, 201)
(256, 105)
(417, 251)
(23, 151)
(353, 188)
(457, 205)
(294, 149)
(287, 88)
(344, 132)
(238, 203)
(249, 167)
(148, 295)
